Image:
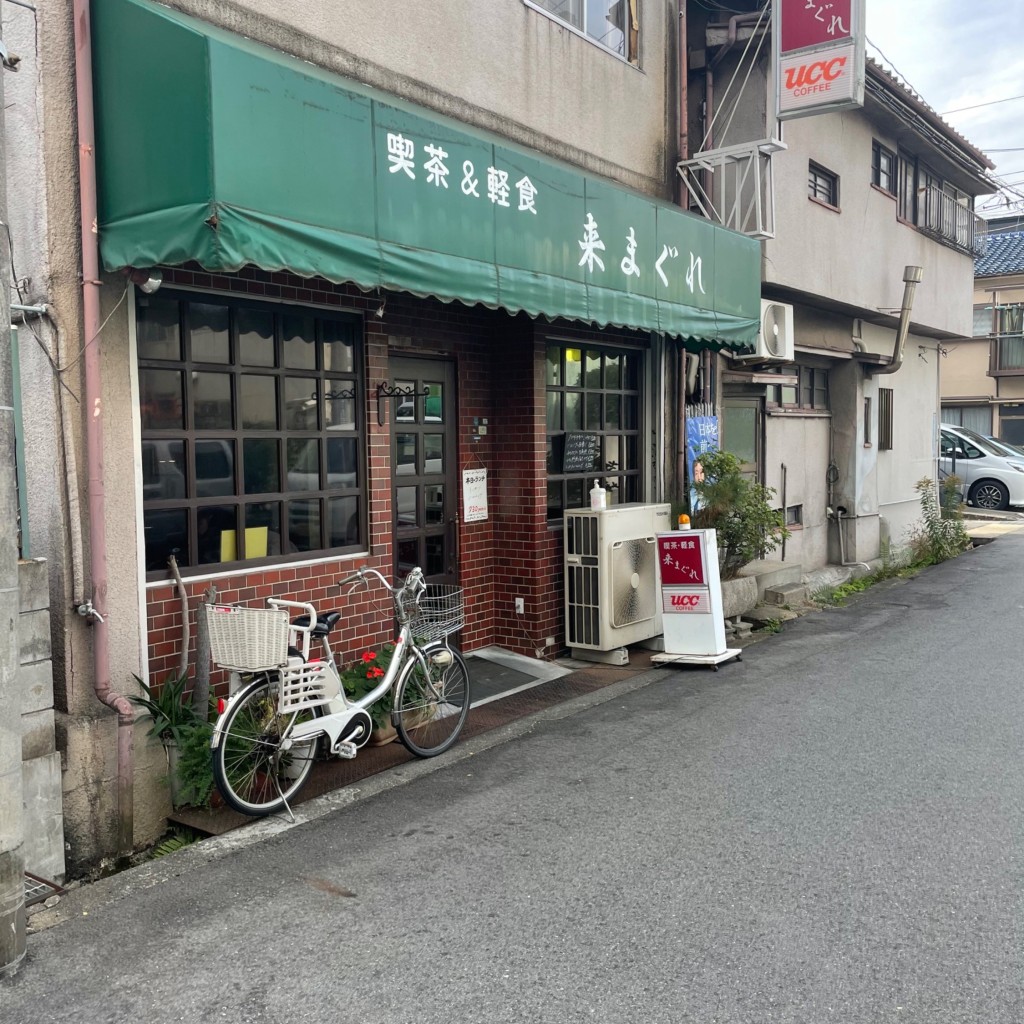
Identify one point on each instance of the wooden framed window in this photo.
(883, 167)
(804, 387)
(822, 184)
(906, 188)
(252, 431)
(593, 424)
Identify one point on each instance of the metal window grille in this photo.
(885, 419)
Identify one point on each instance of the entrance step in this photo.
(770, 574)
(791, 594)
(765, 613)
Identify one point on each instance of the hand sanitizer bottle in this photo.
(598, 496)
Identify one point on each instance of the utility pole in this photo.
(12, 865)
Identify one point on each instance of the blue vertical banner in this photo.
(701, 437)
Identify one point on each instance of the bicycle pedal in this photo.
(344, 749)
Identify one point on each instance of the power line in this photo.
(977, 106)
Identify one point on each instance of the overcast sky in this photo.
(956, 54)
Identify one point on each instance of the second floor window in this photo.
(614, 24)
(1010, 336)
(822, 185)
(883, 168)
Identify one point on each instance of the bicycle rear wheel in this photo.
(256, 766)
(430, 707)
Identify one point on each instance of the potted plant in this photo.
(173, 720)
(738, 509)
(363, 676)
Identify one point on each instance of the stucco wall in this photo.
(499, 65)
(964, 370)
(857, 255)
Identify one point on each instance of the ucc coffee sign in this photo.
(819, 56)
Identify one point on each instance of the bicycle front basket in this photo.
(247, 639)
(439, 614)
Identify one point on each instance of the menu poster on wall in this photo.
(581, 452)
(474, 495)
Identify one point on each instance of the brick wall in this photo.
(500, 366)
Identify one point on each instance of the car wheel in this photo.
(990, 494)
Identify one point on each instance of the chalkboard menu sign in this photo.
(581, 452)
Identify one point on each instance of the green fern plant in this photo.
(166, 703)
(178, 840)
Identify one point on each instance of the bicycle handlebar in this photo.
(413, 581)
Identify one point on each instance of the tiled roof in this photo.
(1004, 254)
(896, 83)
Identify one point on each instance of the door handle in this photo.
(453, 545)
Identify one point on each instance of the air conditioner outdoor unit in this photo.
(775, 338)
(611, 576)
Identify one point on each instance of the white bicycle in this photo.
(286, 708)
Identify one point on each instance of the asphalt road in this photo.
(830, 830)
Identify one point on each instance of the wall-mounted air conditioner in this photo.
(775, 339)
(611, 576)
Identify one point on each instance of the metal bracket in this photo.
(386, 391)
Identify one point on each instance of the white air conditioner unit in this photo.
(775, 339)
(611, 575)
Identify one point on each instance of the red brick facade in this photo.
(500, 365)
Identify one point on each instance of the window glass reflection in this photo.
(166, 534)
(215, 468)
(262, 465)
(211, 401)
(304, 524)
(255, 337)
(298, 336)
(259, 401)
(163, 470)
(209, 326)
(161, 402)
(405, 500)
(300, 403)
(158, 328)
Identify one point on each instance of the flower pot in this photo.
(380, 736)
(179, 796)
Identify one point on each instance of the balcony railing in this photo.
(950, 222)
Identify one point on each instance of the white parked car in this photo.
(989, 478)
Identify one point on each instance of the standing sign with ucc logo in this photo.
(691, 597)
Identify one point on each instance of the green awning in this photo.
(218, 150)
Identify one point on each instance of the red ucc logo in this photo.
(685, 600)
(812, 77)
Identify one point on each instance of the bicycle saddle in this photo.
(325, 622)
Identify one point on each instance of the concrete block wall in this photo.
(43, 814)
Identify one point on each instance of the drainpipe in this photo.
(683, 143)
(840, 512)
(912, 278)
(96, 608)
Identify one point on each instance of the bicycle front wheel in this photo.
(256, 764)
(431, 707)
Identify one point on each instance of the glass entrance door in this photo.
(424, 479)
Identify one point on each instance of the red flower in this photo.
(369, 655)
(375, 673)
